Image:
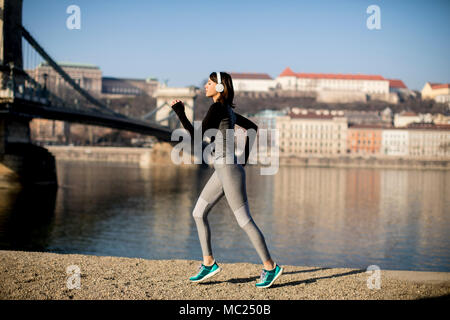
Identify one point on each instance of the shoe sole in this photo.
(208, 276)
(276, 277)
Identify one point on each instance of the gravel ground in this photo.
(37, 275)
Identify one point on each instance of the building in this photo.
(49, 132)
(397, 85)
(429, 140)
(362, 117)
(441, 119)
(267, 118)
(122, 87)
(394, 142)
(435, 90)
(368, 84)
(404, 118)
(87, 76)
(399, 91)
(443, 98)
(364, 139)
(324, 87)
(387, 116)
(319, 133)
(252, 82)
(327, 133)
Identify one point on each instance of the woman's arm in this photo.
(246, 124)
(178, 108)
(211, 120)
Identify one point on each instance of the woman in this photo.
(228, 179)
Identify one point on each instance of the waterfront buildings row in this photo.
(329, 133)
(320, 133)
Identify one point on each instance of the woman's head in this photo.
(227, 95)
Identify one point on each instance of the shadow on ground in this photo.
(291, 283)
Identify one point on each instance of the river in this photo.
(328, 217)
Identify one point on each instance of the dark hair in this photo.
(227, 95)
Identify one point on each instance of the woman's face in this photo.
(210, 88)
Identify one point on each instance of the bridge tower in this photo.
(164, 113)
(21, 162)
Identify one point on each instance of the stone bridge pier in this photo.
(21, 162)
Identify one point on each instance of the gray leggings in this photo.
(228, 179)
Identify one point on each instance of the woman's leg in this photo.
(232, 177)
(210, 195)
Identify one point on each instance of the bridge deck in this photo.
(26, 108)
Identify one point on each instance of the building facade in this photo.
(364, 139)
(429, 140)
(252, 82)
(122, 87)
(49, 132)
(433, 90)
(267, 119)
(87, 76)
(369, 84)
(304, 132)
(405, 118)
(395, 142)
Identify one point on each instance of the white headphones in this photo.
(219, 85)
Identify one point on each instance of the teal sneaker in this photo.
(268, 277)
(205, 272)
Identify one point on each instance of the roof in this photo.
(439, 85)
(122, 79)
(255, 76)
(428, 126)
(66, 64)
(268, 112)
(369, 126)
(408, 114)
(310, 115)
(396, 83)
(289, 73)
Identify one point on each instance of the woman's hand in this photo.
(177, 106)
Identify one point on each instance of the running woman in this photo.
(228, 179)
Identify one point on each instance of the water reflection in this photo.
(357, 217)
(26, 217)
(397, 219)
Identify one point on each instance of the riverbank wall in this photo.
(160, 155)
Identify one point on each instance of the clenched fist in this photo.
(177, 106)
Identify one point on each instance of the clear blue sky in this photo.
(184, 41)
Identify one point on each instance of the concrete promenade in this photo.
(34, 275)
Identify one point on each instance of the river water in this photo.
(328, 217)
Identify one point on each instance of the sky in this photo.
(184, 41)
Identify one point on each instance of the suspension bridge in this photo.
(23, 97)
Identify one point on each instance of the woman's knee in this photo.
(242, 215)
(200, 208)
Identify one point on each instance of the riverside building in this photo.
(315, 133)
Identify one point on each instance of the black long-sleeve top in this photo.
(220, 117)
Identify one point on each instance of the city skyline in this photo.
(187, 41)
